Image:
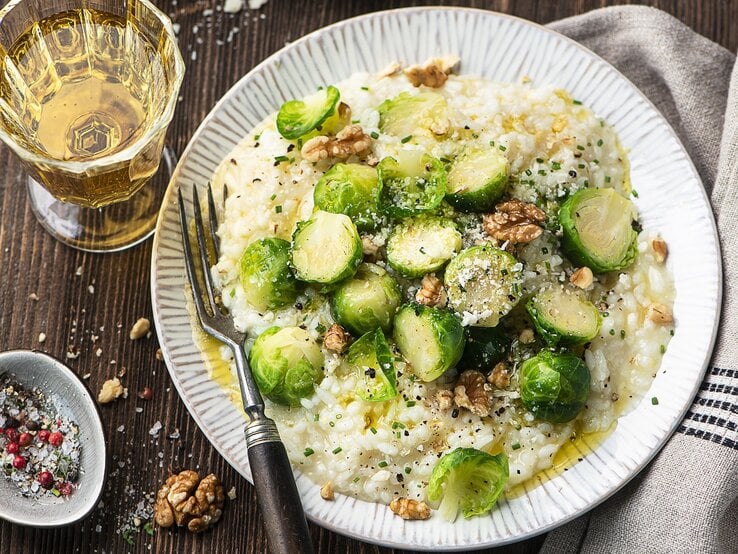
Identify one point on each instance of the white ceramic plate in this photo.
(671, 199)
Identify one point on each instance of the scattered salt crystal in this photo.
(98, 528)
(33, 296)
(176, 27)
(207, 13)
(233, 6)
(86, 376)
(256, 4)
(154, 431)
(174, 435)
(41, 337)
(193, 57)
(79, 271)
(122, 429)
(121, 465)
(98, 352)
(195, 28)
(91, 289)
(232, 493)
(139, 409)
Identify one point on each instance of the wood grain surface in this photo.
(218, 48)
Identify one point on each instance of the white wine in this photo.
(84, 85)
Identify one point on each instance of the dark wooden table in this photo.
(68, 312)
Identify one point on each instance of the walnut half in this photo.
(470, 393)
(431, 291)
(433, 73)
(348, 141)
(407, 508)
(515, 221)
(336, 339)
(186, 500)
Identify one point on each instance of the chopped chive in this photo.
(316, 417)
(503, 148)
(605, 314)
(374, 135)
(397, 425)
(149, 528)
(555, 165)
(406, 139)
(331, 424)
(280, 159)
(654, 401)
(410, 403)
(671, 332)
(491, 143)
(539, 160)
(634, 192)
(600, 142)
(576, 102)
(373, 430)
(622, 333)
(607, 178)
(662, 349)
(612, 332)
(408, 470)
(356, 479)
(320, 328)
(339, 416)
(541, 172)
(516, 446)
(337, 450)
(528, 172)
(364, 88)
(257, 137)
(272, 197)
(586, 182)
(308, 452)
(596, 162)
(581, 166)
(278, 209)
(580, 147)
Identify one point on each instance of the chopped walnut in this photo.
(431, 291)
(407, 508)
(111, 390)
(184, 499)
(433, 73)
(514, 221)
(326, 491)
(582, 278)
(527, 336)
(348, 141)
(470, 393)
(140, 329)
(441, 126)
(658, 313)
(369, 247)
(336, 339)
(499, 377)
(661, 251)
(445, 399)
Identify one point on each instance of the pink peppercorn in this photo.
(43, 435)
(65, 489)
(46, 479)
(12, 435)
(13, 448)
(56, 438)
(19, 462)
(25, 439)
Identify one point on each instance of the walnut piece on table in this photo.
(431, 291)
(140, 329)
(433, 73)
(336, 339)
(469, 393)
(407, 508)
(348, 141)
(326, 491)
(186, 500)
(111, 390)
(660, 249)
(514, 221)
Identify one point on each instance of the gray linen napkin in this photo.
(686, 500)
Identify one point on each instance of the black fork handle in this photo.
(279, 500)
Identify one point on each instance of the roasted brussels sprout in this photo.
(326, 248)
(411, 184)
(599, 228)
(370, 357)
(483, 284)
(430, 339)
(563, 317)
(286, 364)
(265, 274)
(477, 179)
(349, 189)
(468, 479)
(554, 386)
(422, 245)
(367, 301)
(485, 347)
(298, 117)
(407, 114)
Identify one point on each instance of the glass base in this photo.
(109, 229)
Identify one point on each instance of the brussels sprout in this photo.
(477, 179)
(286, 364)
(367, 301)
(326, 248)
(430, 339)
(599, 229)
(349, 189)
(554, 386)
(483, 284)
(370, 357)
(485, 347)
(265, 273)
(468, 479)
(422, 245)
(298, 117)
(563, 317)
(406, 114)
(412, 184)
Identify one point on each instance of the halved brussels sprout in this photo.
(477, 179)
(286, 364)
(406, 114)
(483, 284)
(326, 248)
(352, 190)
(430, 339)
(265, 274)
(422, 245)
(298, 117)
(599, 229)
(468, 479)
(554, 386)
(367, 301)
(485, 347)
(563, 317)
(411, 184)
(370, 357)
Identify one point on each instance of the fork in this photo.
(276, 491)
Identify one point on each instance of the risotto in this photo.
(532, 155)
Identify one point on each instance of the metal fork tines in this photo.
(276, 491)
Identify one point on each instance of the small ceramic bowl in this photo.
(72, 399)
